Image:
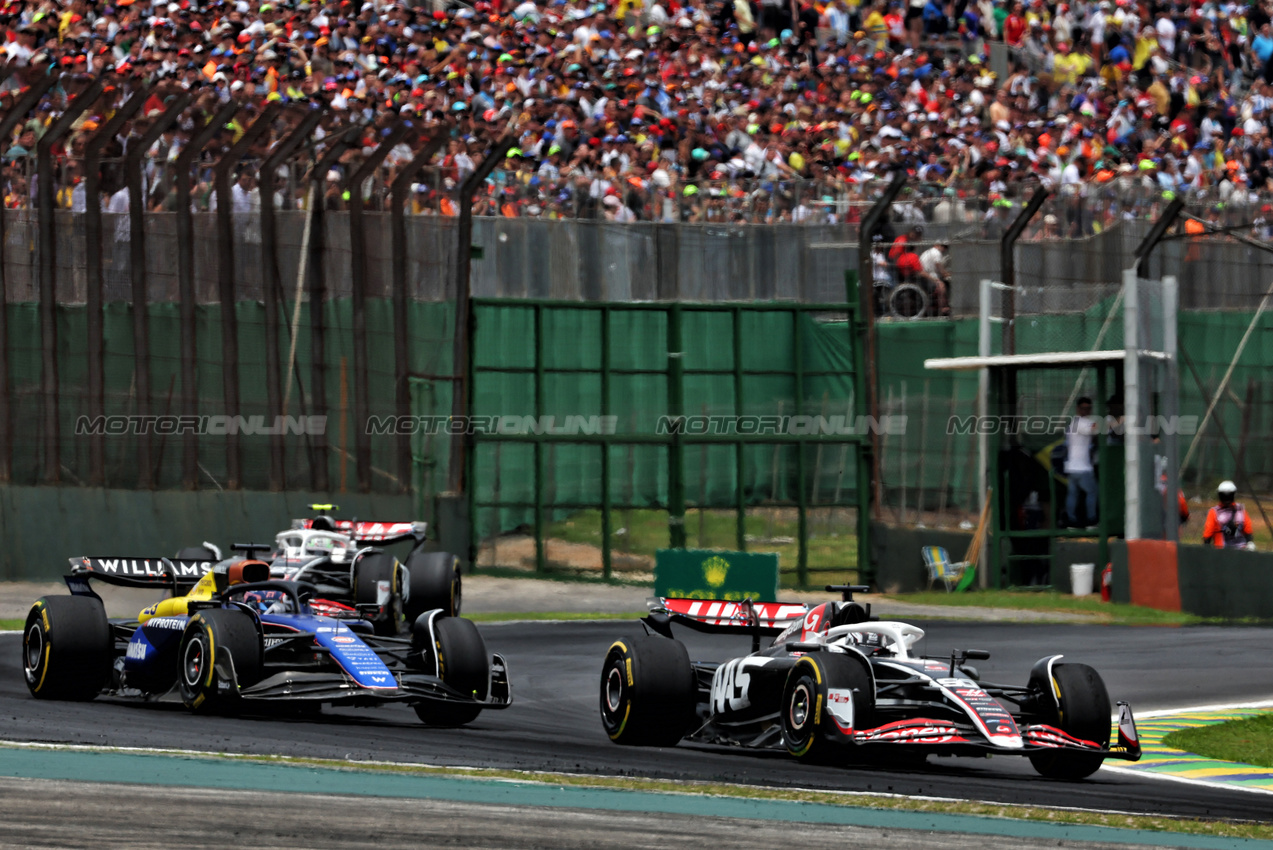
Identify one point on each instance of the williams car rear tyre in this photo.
(462, 662)
(809, 729)
(372, 569)
(220, 653)
(433, 581)
(66, 648)
(648, 692)
(1084, 713)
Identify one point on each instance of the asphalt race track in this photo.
(554, 724)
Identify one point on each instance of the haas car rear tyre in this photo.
(826, 697)
(1084, 713)
(66, 648)
(648, 692)
(220, 652)
(370, 572)
(462, 662)
(433, 581)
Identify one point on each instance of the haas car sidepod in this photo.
(837, 684)
(231, 637)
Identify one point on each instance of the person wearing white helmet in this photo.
(1228, 524)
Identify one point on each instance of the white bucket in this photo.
(1081, 578)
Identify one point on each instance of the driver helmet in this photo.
(1227, 490)
(267, 601)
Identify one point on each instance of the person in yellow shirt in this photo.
(876, 27)
(1069, 65)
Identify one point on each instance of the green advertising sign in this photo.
(709, 574)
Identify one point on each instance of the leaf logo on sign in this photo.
(715, 569)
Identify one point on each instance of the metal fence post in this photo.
(1008, 265)
(273, 294)
(228, 294)
(318, 293)
(137, 247)
(25, 104)
(400, 191)
(94, 282)
(870, 451)
(358, 279)
(185, 273)
(463, 307)
(46, 199)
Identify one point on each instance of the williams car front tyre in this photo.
(220, 652)
(462, 661)
(372, 572)
(433, 581)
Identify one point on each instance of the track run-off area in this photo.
(554, 726)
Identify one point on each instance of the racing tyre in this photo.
(433, 581)
(809, 729)
(1084, 713)
(66, 648)
(462, 662)
(648, 692)
(370, 571)
(908, 301)
(220, 653)
(195, 553)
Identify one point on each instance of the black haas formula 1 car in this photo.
(837, 685)
(345, 560)
(237, 638)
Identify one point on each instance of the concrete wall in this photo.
(899, 566)
(41, 527)
(1225, 583)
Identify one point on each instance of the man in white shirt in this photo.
(1078, 463)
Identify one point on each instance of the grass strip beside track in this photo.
(12, 625)
(1249, 741)
(598, 792)
(1113, 613)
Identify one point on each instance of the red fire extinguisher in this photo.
(1107, 582)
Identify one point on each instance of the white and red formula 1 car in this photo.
(837, 685)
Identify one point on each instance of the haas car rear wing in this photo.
(142, 572)
(723, 617)
(372, 532)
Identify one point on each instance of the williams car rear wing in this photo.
(142, 572)
(723, 617)
(373, 532)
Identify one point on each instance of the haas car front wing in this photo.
(988, 728)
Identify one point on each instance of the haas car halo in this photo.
(837, 685)
(229, 636)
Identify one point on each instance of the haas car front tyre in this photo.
(66, 648)
(220, 653)
(456, 647)
(648, 692)
(1084, 713)
(433, 581)
(374, 574)
(826, 697)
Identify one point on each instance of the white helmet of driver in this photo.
(1227, 488)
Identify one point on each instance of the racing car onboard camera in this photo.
(336, 556)
(837, 685)
(229, 636)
